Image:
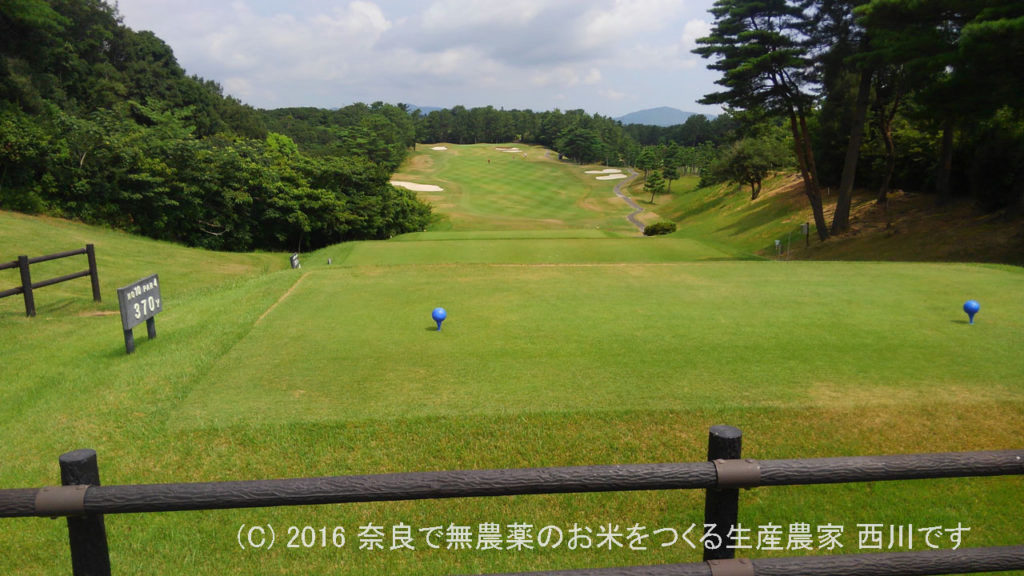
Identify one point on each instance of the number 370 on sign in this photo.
(139, 301)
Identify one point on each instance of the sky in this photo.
(608, 57)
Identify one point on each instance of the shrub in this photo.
(658, 228)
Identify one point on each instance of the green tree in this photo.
(959, 60)
(750, 161)
(764, 65)
(655, 184)
(581, 145)
(837, 39)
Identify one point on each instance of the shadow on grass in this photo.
(766, 213)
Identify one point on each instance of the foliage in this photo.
(654, 183)
(581, 137)
(100, 123)
(750, 161)
(928, 76)
(765, 66)
(659, 228)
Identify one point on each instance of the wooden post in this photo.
(94, 275)
(151, 328)
(26, 287)
(129, 341)
(87, 534)
(721, 506)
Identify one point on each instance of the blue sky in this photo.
(608, 57)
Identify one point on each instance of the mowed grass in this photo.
(566, 344)
(532, 338)
(488, 187)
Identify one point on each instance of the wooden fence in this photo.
(27, 286)
(84, 502)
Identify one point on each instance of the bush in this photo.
(659, 228)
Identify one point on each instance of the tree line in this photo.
(100, 123)
(916, 94)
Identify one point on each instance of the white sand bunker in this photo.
(605, 171)
(417, 187)
(612, 177)
(502, 149)
(439, 148)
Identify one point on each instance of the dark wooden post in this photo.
(87, 534)
(94, 275)
(26, 286)
(721, 506)
(151, 328)
(129, 341)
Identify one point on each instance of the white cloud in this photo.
(628, 19)
(515, 53)
(448, 15)
(692, 30)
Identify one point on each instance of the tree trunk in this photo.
(755, 189)
(885, 119)
(943, 184)
(805, 159)
(890, 160)
(841, 218)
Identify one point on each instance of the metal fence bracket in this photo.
(731, 567)
(738, 473)
(57, 501)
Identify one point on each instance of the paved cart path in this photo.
(636, 207)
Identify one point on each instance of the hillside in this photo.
(913, 229)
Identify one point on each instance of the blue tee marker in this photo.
(438, 315)
(971, 307)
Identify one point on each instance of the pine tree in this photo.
(764, 65)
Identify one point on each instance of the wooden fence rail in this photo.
(84, 501)
(27, 287)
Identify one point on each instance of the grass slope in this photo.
(566, 344)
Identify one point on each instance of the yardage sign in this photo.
(139, 301)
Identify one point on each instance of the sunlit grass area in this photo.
(564, 345)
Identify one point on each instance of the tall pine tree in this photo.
(765, 65)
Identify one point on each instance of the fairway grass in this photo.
(570, 340)
(486, 189)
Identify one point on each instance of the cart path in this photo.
(636, 207)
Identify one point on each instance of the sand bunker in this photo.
(612, 177)
(605, 171)
(501, 149)
(439, 148)
(417, 187)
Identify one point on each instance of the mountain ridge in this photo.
(661, 116)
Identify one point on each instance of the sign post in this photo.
(139, 302)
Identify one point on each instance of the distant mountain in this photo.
(424, 110)
(663, 116)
